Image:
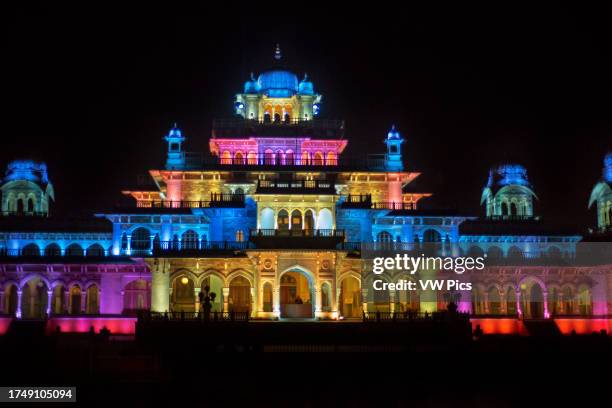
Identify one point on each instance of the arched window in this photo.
(296, 220)
(269, 157)
(267, 218)
(238, 158)
(266, 117)
(189, 239)
(141, 239)
(494, 252)
(318, 159)
(431, 235)
(305, 159)
(331, 159)
(515, 253)
(252, 158)
(384, 236)
(92, 302)
(30, 204)
(20, 205)
(95, 250)
(53, 250)
(226, 157)
(74, 250)
(504, 208)
(280, 157)
(30, 250)
(289, 160)
(75, 300)
(239, 236)
(283, 220)
(513, 209)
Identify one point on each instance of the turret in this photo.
(602, 195)
(26, 189)
(508, 193)
(393, 158)
(175, 159)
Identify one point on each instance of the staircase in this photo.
(542, 327)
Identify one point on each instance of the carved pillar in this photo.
(503, 305)
(254, 301)
(84, 301)
(392, 301)
(196, 293)
(276, 301)
(160, 287)
(519, 310)
(49, 301)
(485, 297)
(317, 299)
(226, 291)
(364, 300)
(18, 314)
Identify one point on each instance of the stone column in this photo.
(2, 302)
(18, 314)
(364, 300)
(519, 311)
(226, 292)
(545, 298)
(49, 301)
(254, 302)
(160, 287)
(392, 301)
(487, 308)
(276, 301)
(197, 299)
(503, 305)
(317, 299)
(84, 301)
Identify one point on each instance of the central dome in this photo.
(278, 83)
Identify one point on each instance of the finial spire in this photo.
(277, 52)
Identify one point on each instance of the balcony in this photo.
(296, 238)
(242, 128)
(217, 200)
(170, 249)
(364, 201)
(295, 187)
(254, 162)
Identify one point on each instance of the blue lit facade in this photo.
(279, 212)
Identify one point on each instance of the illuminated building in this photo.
(273, 221)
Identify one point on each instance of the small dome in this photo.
(508, 174)
(306, 87)
(393, 134)
(175, 132)
(278, 83)
(27, 170)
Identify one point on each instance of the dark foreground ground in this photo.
(311, 365)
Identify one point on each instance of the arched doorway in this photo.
(296, 220)
(532, 300)
(350, 298)
(407, 301)
(510, 301)
(309, 222)
(183, 294)
(58, 299)
(584, 300)
(75, 300)
(10, 300)
(296, 295)
(267, 297)
(93, 300)
(136, 296)
(215, 285)
(239, 295)
(325, 220)
(266, 220)
(283, 220)
(34, 299)
(494, 300)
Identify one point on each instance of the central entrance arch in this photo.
(297, 297)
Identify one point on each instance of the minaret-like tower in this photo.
(393, 158)
(26, 189)
(175, 159)
(602, 195)
(508, 193)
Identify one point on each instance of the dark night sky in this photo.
(91, 91)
